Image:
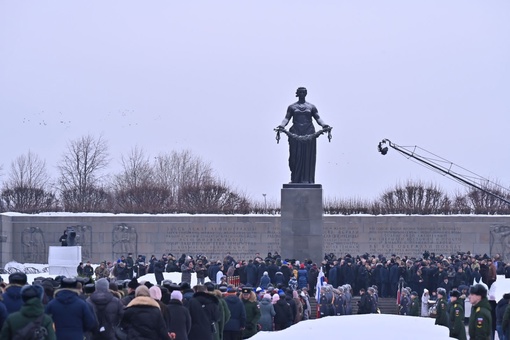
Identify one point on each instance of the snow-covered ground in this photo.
(369, 326)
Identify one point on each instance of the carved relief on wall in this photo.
(84, 239)
(33, 245)
(500, 241)
(124, 240)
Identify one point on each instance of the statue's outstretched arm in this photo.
(287, 118)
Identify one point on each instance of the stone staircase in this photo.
(386, 306)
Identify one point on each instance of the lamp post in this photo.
(265, 204)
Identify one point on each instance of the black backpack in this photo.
(34, 330)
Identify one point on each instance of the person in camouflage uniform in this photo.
(415, 304)
(456, 312)
(480, 321)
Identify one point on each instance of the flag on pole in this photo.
(320, 283)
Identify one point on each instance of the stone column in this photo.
(301, 224)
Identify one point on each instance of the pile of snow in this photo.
(368, 326)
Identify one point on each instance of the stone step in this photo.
(386, 306)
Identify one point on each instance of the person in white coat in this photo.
(425, 303)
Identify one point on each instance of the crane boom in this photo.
(434, 164)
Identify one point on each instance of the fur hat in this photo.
(133, 284)
(478, 289)
(455, 293)
(34, 291)
(18, 278)
(176, 295)
(441, 291)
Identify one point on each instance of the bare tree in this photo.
(137, 189)
(27, 189)
(80, 174)
(481, 202)
(178, 169)
(213, 197)
(347, 206)
(415, 198)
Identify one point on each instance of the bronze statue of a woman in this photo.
(302, 138)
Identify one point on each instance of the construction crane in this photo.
(447, 168)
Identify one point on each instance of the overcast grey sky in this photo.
(216, 77)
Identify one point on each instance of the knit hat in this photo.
(142, 291)
(276, 297)
(155, 293)
(34, 291)
(102, 285)
(267, 297)
(176, 295)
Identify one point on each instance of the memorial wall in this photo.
(26, 238)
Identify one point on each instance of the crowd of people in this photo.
(268, 294)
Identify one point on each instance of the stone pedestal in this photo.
(301, 222)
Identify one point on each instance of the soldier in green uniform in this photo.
(441, 304)
(480, 321)
(415, 304)
(456, 312)
(252, 308)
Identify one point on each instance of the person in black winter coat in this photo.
(500, 311)
(213, 270)
(204, 310)
(251, 274)
(180, 320)
(233, 329)
(142, 318)
(287, 272)
(291, 302)
(283, 314)
(271, 270)
(108, 310)
(365, 303)
(159, 269)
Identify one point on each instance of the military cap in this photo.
(69, 282)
